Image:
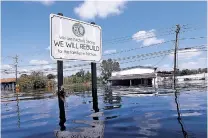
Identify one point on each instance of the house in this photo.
(134, 76)
(8, 83)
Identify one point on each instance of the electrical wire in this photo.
(141, 57)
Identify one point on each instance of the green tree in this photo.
(51, 76)
(199, 70)
(33, 81)
(80, 73)
(204, 70)
(87, 76)
(107, 67)
(184, 72)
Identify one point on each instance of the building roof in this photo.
(146, 67)
(132, 76)
(7, 80)
(164, 74)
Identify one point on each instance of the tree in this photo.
(204, 70)
(199, 70)
(107, 67)
(23, 76)
(51, 76)
(33, 81)
(184, 72)
(80, 73)
(87, 76)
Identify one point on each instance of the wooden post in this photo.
(61, 94)
(175, 54)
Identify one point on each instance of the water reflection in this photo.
(185, 134)
(148, 125)
(18, 111)
(61, 99)
(95, 130)
(140, 116)
(114, 100)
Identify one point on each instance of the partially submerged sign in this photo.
(74, 40)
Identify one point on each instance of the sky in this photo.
(26, 33)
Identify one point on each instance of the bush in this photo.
(187, 79)
(33, 81)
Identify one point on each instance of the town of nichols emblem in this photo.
(78, 29)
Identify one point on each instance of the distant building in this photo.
(8, 83)
(201, 76)
(134, 76)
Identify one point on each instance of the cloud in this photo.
(22, 69)
(47, 67)
(38, 62)
(165, 67)
(6, 66)
(147, 37)
(187, 54)
(193, 64)
(47, 2)
(91, 9)
(148, 65)
(5, 75)
(110, 51)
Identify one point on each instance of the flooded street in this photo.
(104, 69)
(36, 114)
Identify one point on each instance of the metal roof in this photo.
(132, 76)
(147, 67)
(7, 80)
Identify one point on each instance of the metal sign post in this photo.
(61, 95)
(72, 39)
(94, 84)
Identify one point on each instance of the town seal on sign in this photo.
(78, 29)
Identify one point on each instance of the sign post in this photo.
(61, 95)
(94, 84)
(71, 39)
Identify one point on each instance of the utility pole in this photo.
(175, 54)
(15, 64)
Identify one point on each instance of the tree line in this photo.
(191, 71)
(38, 80)
(35, 80)
(186, 71)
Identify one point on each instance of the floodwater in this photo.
(121, 115)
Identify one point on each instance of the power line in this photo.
(160, 61)
(122, 51)
(147, 35)
(158, 30)
(160, 53)
(125, 39)
(140, 57)
(137, 48)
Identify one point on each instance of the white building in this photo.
(192, 77)
(134, 76)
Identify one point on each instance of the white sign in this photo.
(74, 40)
